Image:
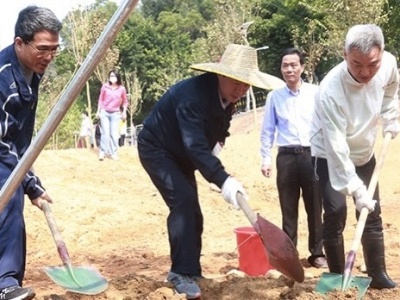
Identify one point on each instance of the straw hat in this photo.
(240, 63)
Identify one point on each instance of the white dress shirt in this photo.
(288, 117)
(346, 119)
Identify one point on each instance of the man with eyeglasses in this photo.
(22, 65)
(46, 52)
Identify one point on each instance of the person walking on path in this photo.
(122, 132)
(85, 133)
(354, 98)
(112, 99)
(288, 114)
(22, 64)
(177, 139)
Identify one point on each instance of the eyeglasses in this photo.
(45, 52)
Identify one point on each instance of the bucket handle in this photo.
(245, 241)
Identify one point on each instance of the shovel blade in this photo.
(282, 253)
(82, 280)
(330, 282)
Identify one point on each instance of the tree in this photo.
(338, 16)
(157, 52)
(317, 27)
(53, 86)
(134, 100)
(163, 38)
(225, 29)
(391, 27)
(82, 29)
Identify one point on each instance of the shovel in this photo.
(331, 281)
(282, 253)
(82, 280)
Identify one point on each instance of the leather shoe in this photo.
(318, 262)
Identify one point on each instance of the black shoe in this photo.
(17, 293)
(318, 262)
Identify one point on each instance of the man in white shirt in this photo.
(353, 98)
(288, 114)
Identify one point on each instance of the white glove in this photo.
(393, 128)
(217, 149)
(363, 200)
(229, 190)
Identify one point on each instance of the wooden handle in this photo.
(371, 190)
(61, 247)
(246, 209)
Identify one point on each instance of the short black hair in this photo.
(296, 51)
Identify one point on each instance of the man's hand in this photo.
(229, 190)
(44, 197)
(363, 200)
(393, 128)
(266, 170)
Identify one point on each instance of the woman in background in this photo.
(112, 98)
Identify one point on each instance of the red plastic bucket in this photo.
(253, 259)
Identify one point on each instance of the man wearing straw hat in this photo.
(178, 137)
(22, 65)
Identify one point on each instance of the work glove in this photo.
(217, 149)
(363, 200)
(229, 190)
(393, 128)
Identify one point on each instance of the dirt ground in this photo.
(112, 218)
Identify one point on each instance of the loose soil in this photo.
(112, 218)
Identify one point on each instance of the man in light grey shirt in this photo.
(353, 98)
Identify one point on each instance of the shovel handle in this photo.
(246, 209)
(61, 247)
(371, 190)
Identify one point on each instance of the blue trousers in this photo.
(12, 237)
(109, 132)
(179, 191)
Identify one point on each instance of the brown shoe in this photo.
(318, 262)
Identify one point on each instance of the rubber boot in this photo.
(334, 252)
(374, 255)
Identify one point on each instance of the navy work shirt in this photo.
(187, 122)
(18, 102)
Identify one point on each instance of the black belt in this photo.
(294, 150)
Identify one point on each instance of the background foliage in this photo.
(162, 38)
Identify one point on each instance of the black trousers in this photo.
(179, 191)
(295, 177)
(334, 202)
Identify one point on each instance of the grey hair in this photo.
(364, 37)
(34, 19)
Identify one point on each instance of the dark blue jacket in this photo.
(187, 122)
(18, 102)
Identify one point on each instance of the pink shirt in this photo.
(111, 99)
